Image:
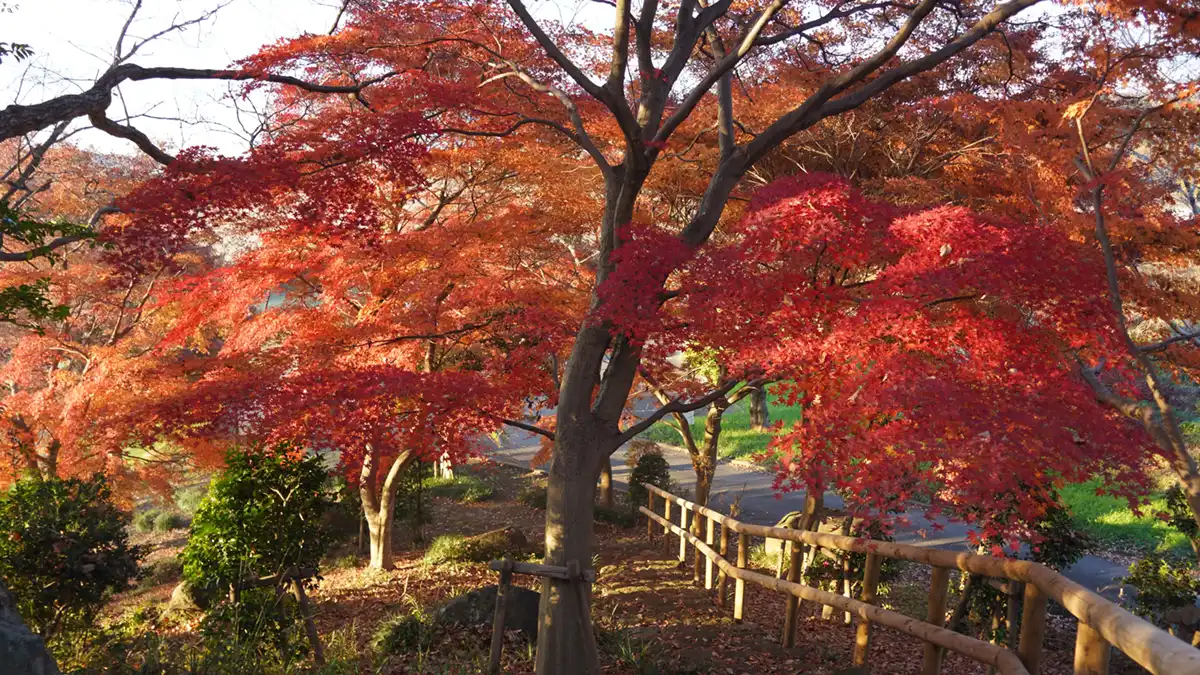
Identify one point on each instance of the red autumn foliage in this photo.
(934, 351)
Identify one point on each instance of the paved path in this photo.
(761, 505)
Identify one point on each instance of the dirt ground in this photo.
(649, 616)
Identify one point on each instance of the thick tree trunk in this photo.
(380, 526)
(606, 489)
(760, 413)
(379, 504)
(565, 644)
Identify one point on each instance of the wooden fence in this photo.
(1102, 624)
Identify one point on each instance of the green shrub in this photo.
(64, 549)
(826, 570)
(143, 521)
(484, 548)
(187, 499)
(411, 495)
(346, 561)
(1062, 544)
(166, 521)
(447, 548)
(651, 468)
(464, 489)
(345, 514)
(165, 571)
(403, 634)
(262, 515)
(634, 653)
(620, 518)
(761, 558)
(533, 496)
(1179, 514)
(1161, 586)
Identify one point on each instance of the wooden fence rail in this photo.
(1102, 624)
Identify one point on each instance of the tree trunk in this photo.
(570, 506)
(760, 414)
(606, 489)
(706, 468)
(379, 504)
(591, 400)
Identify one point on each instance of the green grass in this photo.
(463, 488)
(1110, 521)
(737, 440)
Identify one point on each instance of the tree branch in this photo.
(528, 427)
(617, 106)
(580, 136)
(429, 336)
(677, 405)
(719, 70)
(819, 106)
(102, 123)
(16, 120)
(59, 242)
(1159, 346)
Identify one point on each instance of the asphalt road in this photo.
(760, 504)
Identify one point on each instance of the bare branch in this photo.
(580, 136)
(616, 105)
(819, 106)
(16, 120)
(1159, 346)
(528, 427)
(173, 28)
(719, 70)
(101, 122)
(677, 405)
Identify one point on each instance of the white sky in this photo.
(73, 42)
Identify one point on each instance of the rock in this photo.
(831, 523)
(478, 608)
(1188, 617)
(187, 598)
(21, 650)
(507, 541)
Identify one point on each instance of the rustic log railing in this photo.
(1102, 624)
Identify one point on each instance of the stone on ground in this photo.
(479, 606)
(506, 541)
(21, 650)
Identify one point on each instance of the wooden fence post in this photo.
(1033, 628)
(739, 586)
(862, 641)
(710, 539)
(722, 577)
(1092, 651)
(667, 518)
(683, 524)
(791, 605)
(506, 571)
(310, 628)
(939, 588)
(698, 519)
(649, 520)
(785, 547)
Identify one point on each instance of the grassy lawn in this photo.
(1114, 526)
(737, 440)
